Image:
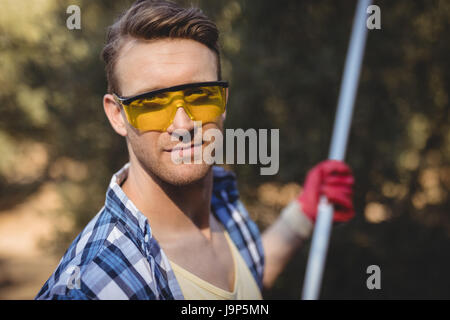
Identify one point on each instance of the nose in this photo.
(181, 119)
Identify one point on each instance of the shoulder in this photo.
(103, 262)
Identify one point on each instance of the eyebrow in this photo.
(157, 88)
(146, 90)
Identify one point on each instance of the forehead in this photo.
(145, 65)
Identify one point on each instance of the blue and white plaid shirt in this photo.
(116, 257)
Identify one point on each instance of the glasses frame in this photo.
(150, 94)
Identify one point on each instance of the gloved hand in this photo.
(333, 179)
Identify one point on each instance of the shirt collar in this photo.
(121, 206)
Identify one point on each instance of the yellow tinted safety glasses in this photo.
(155, 110)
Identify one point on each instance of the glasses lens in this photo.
(203, 103)
(149, 114)
(206, 104)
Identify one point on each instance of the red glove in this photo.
(331, 178)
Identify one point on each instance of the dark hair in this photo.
(157, 19)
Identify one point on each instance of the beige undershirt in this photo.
(195, 288)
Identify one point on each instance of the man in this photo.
(178, 230)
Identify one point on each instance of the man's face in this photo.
(144, 66)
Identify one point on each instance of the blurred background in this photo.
(284, 60)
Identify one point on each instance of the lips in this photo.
(187, 147)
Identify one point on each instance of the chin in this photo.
(183, 174)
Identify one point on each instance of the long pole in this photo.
(342, 122)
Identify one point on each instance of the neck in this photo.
(171, 210)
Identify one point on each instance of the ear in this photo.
(115, 115)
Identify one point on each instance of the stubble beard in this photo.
(159, 165)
